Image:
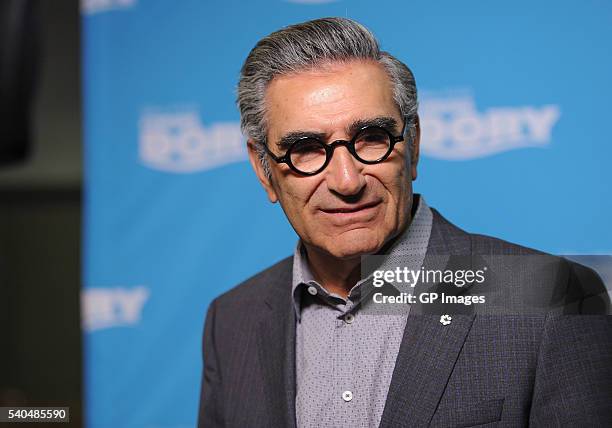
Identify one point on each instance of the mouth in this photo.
(352, 216)
(351, 209)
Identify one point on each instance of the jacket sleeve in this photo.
(573, 381)
(211, 401)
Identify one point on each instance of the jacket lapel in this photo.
(276, 343)
(425, 362)
(429, 350)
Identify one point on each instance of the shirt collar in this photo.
(409, 243)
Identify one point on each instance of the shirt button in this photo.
(349, 318)
(312, 290)
(347, 396)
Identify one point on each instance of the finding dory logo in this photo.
(453, 129)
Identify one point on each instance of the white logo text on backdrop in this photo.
(104, 307)
(89, 7)
(452, 128)
(177, 141)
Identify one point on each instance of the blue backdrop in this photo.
(516, 143)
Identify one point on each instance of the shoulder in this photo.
(444, 230)
(483, 244)
(276, 278)
(555, 277)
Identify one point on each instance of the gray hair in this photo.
(307, 45)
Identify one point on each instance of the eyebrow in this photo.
(288, 139)
(385, 122)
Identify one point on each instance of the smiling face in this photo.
(350, 208)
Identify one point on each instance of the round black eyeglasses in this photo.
(310, 156)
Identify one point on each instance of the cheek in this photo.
(299, 190)
(399, 187)
(294, 196)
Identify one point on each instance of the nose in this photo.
(344, 173)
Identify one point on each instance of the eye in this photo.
(373, 135)
(306, 146)
(308, 154)
(372, 143)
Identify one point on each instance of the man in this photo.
(333, 136)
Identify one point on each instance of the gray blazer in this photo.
(481, 370)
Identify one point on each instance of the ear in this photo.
(259, 171)
(414, 158)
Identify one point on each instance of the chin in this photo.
(352, 245)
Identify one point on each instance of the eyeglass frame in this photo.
(329, 149)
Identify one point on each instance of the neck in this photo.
(338, 276)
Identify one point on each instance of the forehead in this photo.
(329, 97)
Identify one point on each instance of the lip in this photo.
(350, 209)
(352, 214)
